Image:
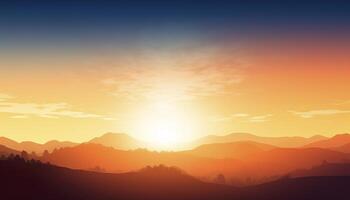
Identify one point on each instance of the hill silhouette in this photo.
(303, 188)
(275, 141)
(118, 141)
(27, 180)
(344, 148)
(284, 160)
(333, 142)
(237, 150)
(33, 180)
(5, 151)
(258, 166)
(34, 147)
(325, 169)
(88, 155)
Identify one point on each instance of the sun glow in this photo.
(164, 126)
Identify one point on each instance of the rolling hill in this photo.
(285, 160)
(287, 142)
(89, 155)
(33, 180)
(5, 151)
(237, 150)
(333, 142)
(26, 180)
(34, 147)
(258, 167)
(344, 148)
(325, 169)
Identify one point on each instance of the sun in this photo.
(163, 126)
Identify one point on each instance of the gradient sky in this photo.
(73, 71)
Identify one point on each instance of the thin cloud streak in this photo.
(49, 110)
(314, 113)
(245, 117)
(166, 77)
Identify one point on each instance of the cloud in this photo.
(50, 110)
(342, 102)
(19, 116)
(240, 115)
(183, 76)
(313, 113)
(260, 118)
(244, 117)
(4, 97)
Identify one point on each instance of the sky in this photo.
(173, 71)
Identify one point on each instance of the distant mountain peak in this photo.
(118, 141)
(343, 135)
(282, 141)
(335, 141)
(317, 137)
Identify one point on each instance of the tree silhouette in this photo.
(220, 179)
(25, 155)
(46, 154)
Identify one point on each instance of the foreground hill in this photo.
(20, 180)
(32, 180)
(275, 141)
(34, 147)
(304, 188)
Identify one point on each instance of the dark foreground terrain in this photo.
(33, 180)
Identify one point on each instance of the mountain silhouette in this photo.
(325, 169)
(284, 160)
(89, 155)
(118, 141)
(344, 148)
(34, 147)
(275, 141)
(33, 180)
(236, 150)
(5, 151)
(333, 142)
(260, 166)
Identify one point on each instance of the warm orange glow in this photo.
(170, 97)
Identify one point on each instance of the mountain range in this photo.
(122, 141)
(243, 162)
(257, 163)
(275, 141)
(35, 147)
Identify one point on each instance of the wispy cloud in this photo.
(244, 117)
(325, 112)
(240, 115)
(49, 110)
(182, 77)
(260, 118)
(345, 102)
(19, 117)
(4, 97)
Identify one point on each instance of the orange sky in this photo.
(271, 88)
